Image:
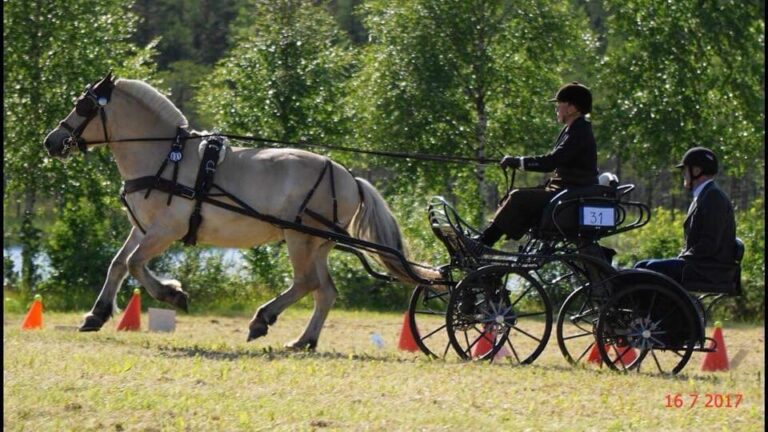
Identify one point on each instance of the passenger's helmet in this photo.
(701, 157)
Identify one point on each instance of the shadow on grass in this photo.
(604, 372)
(269, 353)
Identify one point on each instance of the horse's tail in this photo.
(374, 222)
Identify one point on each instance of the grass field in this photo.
(205, 377)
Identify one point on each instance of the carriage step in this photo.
(707, 348)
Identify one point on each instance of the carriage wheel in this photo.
(575, 332)
(560, 279)
(575, 328)
(426, 314)
(499, 310)
(652, 320)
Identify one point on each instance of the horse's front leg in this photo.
(153, 244)
(105, 304)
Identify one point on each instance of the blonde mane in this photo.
(153, 99)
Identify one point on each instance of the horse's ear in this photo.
(109, 76)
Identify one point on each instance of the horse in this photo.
(279, 182)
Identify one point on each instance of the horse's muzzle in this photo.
(57, 142)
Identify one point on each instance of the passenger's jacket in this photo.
(573, 159)
(710, 238)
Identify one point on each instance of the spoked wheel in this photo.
(497, 311)
(576, 324)
(560, 279)
(653, 321)
(575, 330)
(426, 314)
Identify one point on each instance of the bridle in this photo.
(92, 102)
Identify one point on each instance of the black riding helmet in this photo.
(575, 94)
(701, 157)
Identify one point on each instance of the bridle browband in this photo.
(93, 100)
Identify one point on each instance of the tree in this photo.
(463, 78)
(679, 74)
(191, 36)
(284, 77)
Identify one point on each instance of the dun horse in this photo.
(276, 182)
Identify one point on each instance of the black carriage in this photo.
(503, 301)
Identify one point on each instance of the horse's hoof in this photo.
(257, 330)
(309, 345)
(91, 323)
(180, 300)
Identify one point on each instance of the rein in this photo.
(305, 144)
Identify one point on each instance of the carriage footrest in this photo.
(708, 347)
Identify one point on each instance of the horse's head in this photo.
(77, 129)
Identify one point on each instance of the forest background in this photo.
(449, 77)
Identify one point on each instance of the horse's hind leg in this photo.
(302, 250)
(169, 291)
(105, 304)
(325, 297)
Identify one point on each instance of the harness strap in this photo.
(103, 115)
(203, 185)
(332, 225)
(163, 185)
(175, 156)
(133, 216)
(312, 191)
(333, 194)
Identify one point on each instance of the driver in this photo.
(573, 160)
(709, 229)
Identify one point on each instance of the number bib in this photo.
(597, 216)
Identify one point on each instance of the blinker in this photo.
(85, 106)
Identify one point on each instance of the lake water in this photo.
(232, 257)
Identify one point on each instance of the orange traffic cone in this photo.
(407, 341)
(132, 316)
(594, 356)
(716, 360)
(34, 318)
(484, 344)
(626, 354)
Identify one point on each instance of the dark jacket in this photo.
(573, 160)
(710, 238)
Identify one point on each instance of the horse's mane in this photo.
(153, 100)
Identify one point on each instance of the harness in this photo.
(206, 190)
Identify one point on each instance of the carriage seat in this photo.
(561, 216)
(731, 288)
(448, 226)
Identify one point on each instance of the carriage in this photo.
(474, 306)
(503, 301)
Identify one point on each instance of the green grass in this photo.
(206, 377)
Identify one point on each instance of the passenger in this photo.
(573, 160)
(709, 228)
